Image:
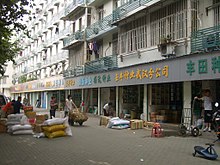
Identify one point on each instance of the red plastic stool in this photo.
(157, 131)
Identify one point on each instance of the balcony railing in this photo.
(72, 6)
(59, 57)
(101, 64)
(207, 39)
(101, 25)
(74, 36)
(121, 11)
(72, 72)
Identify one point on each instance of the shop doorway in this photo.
(166, 102)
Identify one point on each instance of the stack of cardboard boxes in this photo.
(136, 124)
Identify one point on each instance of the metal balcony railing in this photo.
(74, 36)
(128, 7)
(204, 40)
(72, 6)
(101, 25)
(72, 72)
(101, 64)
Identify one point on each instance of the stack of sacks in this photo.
(56, 127)
(19, 129)
(22, 128)
(117, 123)
(13, 119)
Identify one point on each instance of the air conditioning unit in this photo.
(167, 49)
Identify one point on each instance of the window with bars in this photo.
(146, 31)
(216, 12)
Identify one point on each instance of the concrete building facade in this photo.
(148, 57)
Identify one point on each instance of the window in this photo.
(80, 24)
(100, 12)
(216, 12)
(74, 27)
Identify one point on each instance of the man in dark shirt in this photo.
(17, 105)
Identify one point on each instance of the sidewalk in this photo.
(168, 129)
(92, 144)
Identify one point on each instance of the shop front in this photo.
(42, 90)
(159, 90)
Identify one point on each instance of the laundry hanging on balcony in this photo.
(93, 47)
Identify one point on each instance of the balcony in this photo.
(73, 38)
(59, 57)
(99, 27)
(72, 72)
(73, 7)
(205, 40)
(101, 64)
(123, 11)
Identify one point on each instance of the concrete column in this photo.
(187, 94)
(117, 101)
(145, 104)
(99, 101)
(82, 99)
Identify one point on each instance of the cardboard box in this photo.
(104, 120)
(3, 121)
(30, 114)
(3, 128)
(136, 124)
(37, 128)
(40, 119)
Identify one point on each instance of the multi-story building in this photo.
(6, 80)
(39, 68)
(148, 57)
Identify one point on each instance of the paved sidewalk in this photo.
(92, 144)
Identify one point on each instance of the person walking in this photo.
(69, 105)
(53, 106)
(207, 102)
(18, 105)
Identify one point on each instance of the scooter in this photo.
(208, 153)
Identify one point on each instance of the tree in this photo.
(11, 17)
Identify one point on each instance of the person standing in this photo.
(18, 105)
(38, 103)
(69, 105)
(106, 108)
(53, 106)
(207, 102)
(9, 108)
(197, 109)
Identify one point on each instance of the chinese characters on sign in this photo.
(144, 73)
(70, 83)
(203, 66)
(94, 80)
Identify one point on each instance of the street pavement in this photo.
(92, 144)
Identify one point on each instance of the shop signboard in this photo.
(54, 83)
(204, 66)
